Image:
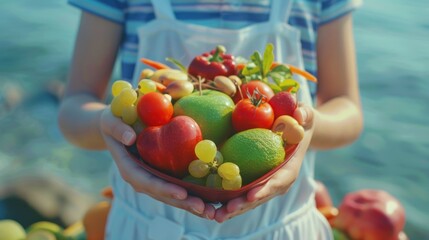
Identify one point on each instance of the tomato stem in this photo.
(257, 98)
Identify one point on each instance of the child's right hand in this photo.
(116, 134)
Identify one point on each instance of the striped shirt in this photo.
(306, 15)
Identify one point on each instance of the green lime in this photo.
(256, 151)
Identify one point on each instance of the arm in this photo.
(87, 122)
(94, 57)
(336, 122)
(338, 119)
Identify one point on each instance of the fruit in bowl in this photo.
(216, 133)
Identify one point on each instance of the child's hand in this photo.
(304, 114)
(280, 182)
(116, 134)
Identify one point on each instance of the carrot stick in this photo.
(107, 192)
(160, 87)
(303, 73)
(298, 71)
(154, 64)
(240, 66)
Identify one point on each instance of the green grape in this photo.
(206, 150)
(146, 86)
(129, 114)
(232, 184)
(214, 181)
(128, 96)
(218, 158)
(198, 168)
(228, 170)
(118, 86)
(116, 107)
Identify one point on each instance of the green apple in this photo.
(211, 110)
(11, 230)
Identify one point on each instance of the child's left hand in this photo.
(280, 182)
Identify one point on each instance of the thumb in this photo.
(304, 115)
(116, 128)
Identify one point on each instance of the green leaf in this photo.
(178, 64)
(276, 77)
(268, 59)
(256, 59)
(250, 69)
(275, 88)
(284, 70)
(287, 84)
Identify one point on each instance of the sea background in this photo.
(392, 154)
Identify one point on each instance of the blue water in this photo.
(392, 154)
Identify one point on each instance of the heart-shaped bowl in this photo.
(207, 194)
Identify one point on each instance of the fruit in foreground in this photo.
(44, 230)
(11, 230)
(170, 148)
(255, 151)
(41, 235)
(283, 103)
(212, 111)
(95, 220)
(370, 214)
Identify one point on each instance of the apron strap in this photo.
(163, 9)
(280, 10)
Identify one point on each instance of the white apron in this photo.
(291, 216)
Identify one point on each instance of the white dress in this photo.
(290, 216)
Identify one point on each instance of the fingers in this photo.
(114, 127)
(304, 115)
(144, 182)
(138, 178)
(235, 207)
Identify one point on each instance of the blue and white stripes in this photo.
(306, 15)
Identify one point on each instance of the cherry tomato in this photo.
(154, 109)
(247, 115)
(263, 88)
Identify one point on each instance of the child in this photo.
(304, 31)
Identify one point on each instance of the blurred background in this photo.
(42, 177)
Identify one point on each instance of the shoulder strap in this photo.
(280, 10)
(163, 9)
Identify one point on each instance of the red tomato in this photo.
(263, 88)
(154, 109)
(246, 115)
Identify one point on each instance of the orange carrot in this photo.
(240, 66)
(154, 64)
(160, 87)
(298, 71)
(329, 212)
(303, 73)
(107, 192)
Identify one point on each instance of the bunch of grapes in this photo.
(210, 164)
(125, 98)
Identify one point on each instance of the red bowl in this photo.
(210, 194)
